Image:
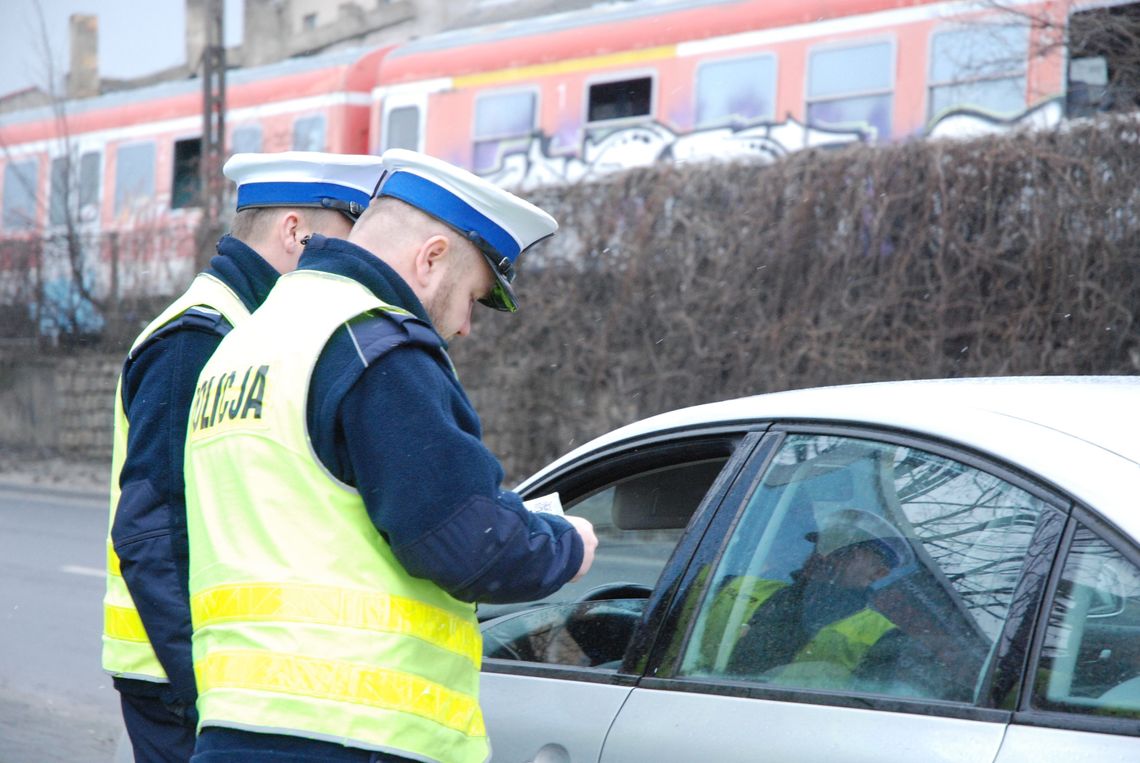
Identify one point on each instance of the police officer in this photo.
(282, 199)
(344, 514)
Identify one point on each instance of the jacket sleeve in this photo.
(149, 530)
(434, 490)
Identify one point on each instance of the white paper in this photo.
(548, 504)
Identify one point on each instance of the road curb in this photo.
(34, 488)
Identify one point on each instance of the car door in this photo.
(865, 596)
(557, 671)
(1082, 700)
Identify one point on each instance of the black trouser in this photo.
(222, 745)
(159, 733)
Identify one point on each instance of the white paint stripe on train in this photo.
(879, 20)
(194, 123)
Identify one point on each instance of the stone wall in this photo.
(58, 404)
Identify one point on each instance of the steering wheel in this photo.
(619, 590)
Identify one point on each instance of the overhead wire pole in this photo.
(213, 152)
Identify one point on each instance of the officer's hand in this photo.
(589, 543)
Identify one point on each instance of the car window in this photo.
(1090, 659)
(865, 566)
(638, 518)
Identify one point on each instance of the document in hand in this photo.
(549, 503)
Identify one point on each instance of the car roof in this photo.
(1078, 433)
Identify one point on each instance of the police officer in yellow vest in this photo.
(281, 199)
(815, 631)
(344, 515)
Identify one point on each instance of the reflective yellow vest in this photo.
(127, 652)
(304, 621)
(829, 657)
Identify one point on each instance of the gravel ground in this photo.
(30, 467)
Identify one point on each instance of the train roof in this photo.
(598, 13)
(181, 87)
(762, 14)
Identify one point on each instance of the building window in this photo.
(403, 129)
(620, 100)
(20, 180)
(186, 188)
(981, 67)
(309, 133)
(740, 90)
(852, 88)
(134, 175)
(246, 139)
(502, 121)
(309, 22)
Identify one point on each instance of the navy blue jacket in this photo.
(387, 415)
(149, 532)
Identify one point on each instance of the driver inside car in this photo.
(815, 629)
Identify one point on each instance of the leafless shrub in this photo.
(674, 285)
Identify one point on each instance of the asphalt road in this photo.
(56, 704)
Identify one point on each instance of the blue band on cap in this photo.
(441, 203)
(300, 194)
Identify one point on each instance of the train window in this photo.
(309, 133)
(90, 171)
(981, 66)
(134, 175)
(852, 87)
(620, 100)
(20, 181)
(186, 187)
(737, 90)
(403, 129)
(62, 191)
(502, 119)
(246, 139)
(74, 194)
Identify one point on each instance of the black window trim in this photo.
(1026, 714)
(661, 670)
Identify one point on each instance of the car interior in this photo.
(638, 521)
(1091, 659)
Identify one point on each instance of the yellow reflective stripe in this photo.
(326, 605)
(123, 623)
(342, 682)
(113, 561)
(569, 66)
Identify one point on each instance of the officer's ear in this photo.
(431, 259)
(290, 233)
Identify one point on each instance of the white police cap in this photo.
(500, 224)
(304, 179)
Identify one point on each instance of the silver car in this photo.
(898, 572)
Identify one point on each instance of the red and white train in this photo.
(566, 97)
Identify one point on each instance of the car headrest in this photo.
(663, 499)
